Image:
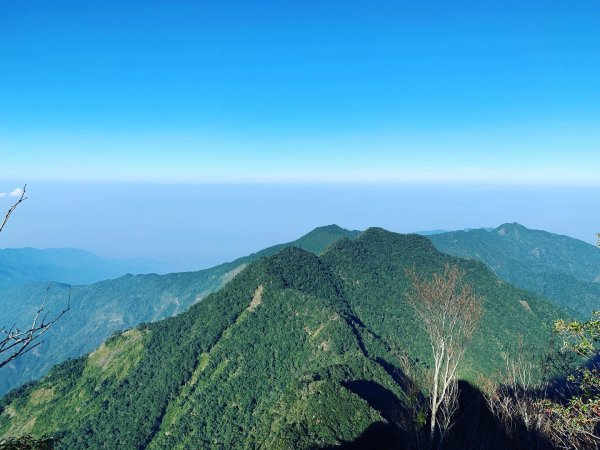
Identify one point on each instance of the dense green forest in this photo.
(560, 268)
(296, 351)
(100, 309)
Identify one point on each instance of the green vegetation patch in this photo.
(41, 395)
(319, 413)
(117, 356)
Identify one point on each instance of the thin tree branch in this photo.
(13, 341)
(17, 342)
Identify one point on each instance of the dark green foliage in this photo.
(103, 308)
(294, 352)
(577, 420)
(27, 443)
(560, 268)
(372, 269)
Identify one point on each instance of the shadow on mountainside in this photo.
(476, 428)
(378, 398)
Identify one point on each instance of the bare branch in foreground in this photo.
(16, 342)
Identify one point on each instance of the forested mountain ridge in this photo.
(102, 308)
(558, 267)
(294, 352)
(378, 260)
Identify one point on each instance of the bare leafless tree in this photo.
(516, 401)
(14, 341)
(450, 312)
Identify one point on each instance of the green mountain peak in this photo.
(561, 268)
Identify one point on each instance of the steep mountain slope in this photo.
(560, 268)
(261, 362)
(102, 308)
(294, 352)
(19, 266)
(373, 273)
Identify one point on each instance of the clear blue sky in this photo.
(193, 91)
(125, 94)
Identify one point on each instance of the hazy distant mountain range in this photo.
(433, 232)
(19, 266)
